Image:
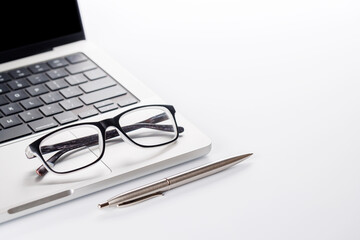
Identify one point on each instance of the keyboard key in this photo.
(126, 100)
(103, 103)
(88, 113)
(57, 84)
(19, 73)
(107, 108)
(13, 133)
(11, 108)
(51, 109)
(70, 104)
(4, 89)
(51, 97)
(10, 121)
(71, 92)
(31, 115)
(59, 62)
(17, 95)
(58, 73)
(18, 84)
(43, 124)
(95, 74)
(39, 68)
(31, 103)
(80, 67)
(97, 84)
(39, 78)
(37, 90)
(3, 101)
(76, 79)
(103, 94)
(4, 77)
(76, 58)
(66, 117)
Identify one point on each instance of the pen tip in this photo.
(247, 155)
(242, 157)
(102, 205)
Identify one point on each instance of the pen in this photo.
(159, 187)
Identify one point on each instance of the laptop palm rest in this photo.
(121, 162)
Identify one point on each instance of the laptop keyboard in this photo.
(48, 94)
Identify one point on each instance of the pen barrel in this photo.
(201, 172)
(138, 193)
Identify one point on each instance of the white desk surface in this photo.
(277, 78)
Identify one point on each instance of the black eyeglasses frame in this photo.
(33, 149)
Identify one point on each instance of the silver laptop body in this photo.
(22, 190)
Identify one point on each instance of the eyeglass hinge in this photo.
(29, 154)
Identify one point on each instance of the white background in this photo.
(277, 78)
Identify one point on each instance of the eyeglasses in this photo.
(81, 145)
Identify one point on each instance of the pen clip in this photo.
(140, 199)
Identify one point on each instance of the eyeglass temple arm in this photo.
(93, 139)
(41, 171)
(155, 119)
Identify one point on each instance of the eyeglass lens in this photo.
(72, 148)
(149, 126)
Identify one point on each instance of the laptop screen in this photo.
(30, 27)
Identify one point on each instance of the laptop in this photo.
(51, 77)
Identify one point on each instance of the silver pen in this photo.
(159, 187)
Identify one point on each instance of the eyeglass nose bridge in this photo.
(110, 122)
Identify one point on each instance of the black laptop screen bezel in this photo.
(44, 46)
